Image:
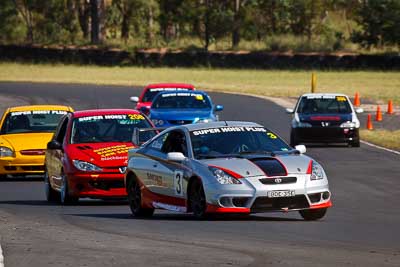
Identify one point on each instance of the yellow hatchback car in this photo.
(24, 134)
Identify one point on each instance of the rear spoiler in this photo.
(142, 135)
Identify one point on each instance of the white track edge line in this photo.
(380, 147)
(1, 257)
(279, 104)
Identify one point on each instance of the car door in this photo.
(171, 175)
(54, 157)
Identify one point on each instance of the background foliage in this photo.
(270, 25)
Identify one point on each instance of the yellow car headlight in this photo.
(6, 152)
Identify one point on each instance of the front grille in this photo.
(32, 168)
(107, 184)
(279, 180)
(180, 122)
(262, 204)
(33, 152)
(10, 168)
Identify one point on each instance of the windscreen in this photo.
(217, 142)
(32, 121)
(324, 105)
(151, 93)
(180, 100)
(106, 128)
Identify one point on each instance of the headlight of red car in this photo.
(86, 166)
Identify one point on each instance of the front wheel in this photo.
(51, 194)
(198, 199)
(135, 200)
(313, 214)
(65, 197)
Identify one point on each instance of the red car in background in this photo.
(87, 156)
(151, 90)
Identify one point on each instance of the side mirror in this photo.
(176, 156)
(359, 110)
(144, 110)
(289, 111)
(54, 145)
(219, 107)
(301, 148)
(134, 99)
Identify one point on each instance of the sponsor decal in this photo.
(232, 129)
(341, 99)
(39, 112)
(121, 117)
(167, 89)
(321, 97)
(196, 95)
(156, 179)
(119, 152)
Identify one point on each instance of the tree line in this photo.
(366, 22)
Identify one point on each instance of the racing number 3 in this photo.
(178, 182)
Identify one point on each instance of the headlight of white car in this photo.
(317, 172)
(86, 166)
(198, 120)
(223, 177)
(6, 152)
(296, 123)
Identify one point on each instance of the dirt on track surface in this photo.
(361, 229)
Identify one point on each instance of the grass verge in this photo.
(389, 139)
(379, 86)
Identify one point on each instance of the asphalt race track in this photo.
(361, 229)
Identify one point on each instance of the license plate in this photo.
(282, 193)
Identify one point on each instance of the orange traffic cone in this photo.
(378, 116)
(369, 122)
(357, 102)
(390, 107)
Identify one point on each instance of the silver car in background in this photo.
(224, 167)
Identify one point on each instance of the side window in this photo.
(61, 130)
(175, 142)
(158, 143)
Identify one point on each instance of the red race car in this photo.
(151, 90)
(87, 156)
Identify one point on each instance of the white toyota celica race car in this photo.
(224, 167)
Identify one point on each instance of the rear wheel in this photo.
(65, 197)
(135, 200)
(198, 199)
(313, 214)
(355, 143)
(51, 194)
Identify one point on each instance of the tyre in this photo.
(51, 194)
(65, 197)
(293, 139)
(355, 143)
(197, 199)
(313, 214)
(135, 200)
